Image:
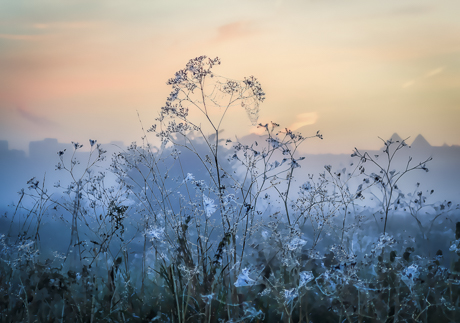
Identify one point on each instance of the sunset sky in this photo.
(355, 70)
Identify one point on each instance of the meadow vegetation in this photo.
(207, 229)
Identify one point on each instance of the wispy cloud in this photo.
(40, 31)
(233, 30)
(427, 75)
(304, 119)
(35, 119)
(408, 83)
(434, 72)
(412, 10)
(22, 37)
(67, 25)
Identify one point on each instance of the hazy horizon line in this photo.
(121, 143)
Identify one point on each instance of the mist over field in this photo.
(39, 204)
(18, 166)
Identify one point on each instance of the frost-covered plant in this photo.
(387, 177)
(165, 186)
(94, 211)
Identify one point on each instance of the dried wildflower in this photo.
(209, 206)
(385, 240)
(410, 275)
(244, 280)
(155, 233)
(296, 243)
(189, 178)
(306, 186)
(305, 278)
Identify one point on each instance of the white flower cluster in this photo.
(410, 274)
(244, 279)
(209, 206)
(155, 233)
(296, 243)
(305, 278)
(385, 240)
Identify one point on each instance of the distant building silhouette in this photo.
(7, 154)
(46, 148)
(16, 168)
(3, 146)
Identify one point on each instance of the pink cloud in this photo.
(35, 119)
(233, 30)
(67, 25)
(22, 37)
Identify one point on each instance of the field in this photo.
(200, 228)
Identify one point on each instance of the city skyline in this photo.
(54, 142)
(17, 166)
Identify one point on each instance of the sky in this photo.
(355, 70)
